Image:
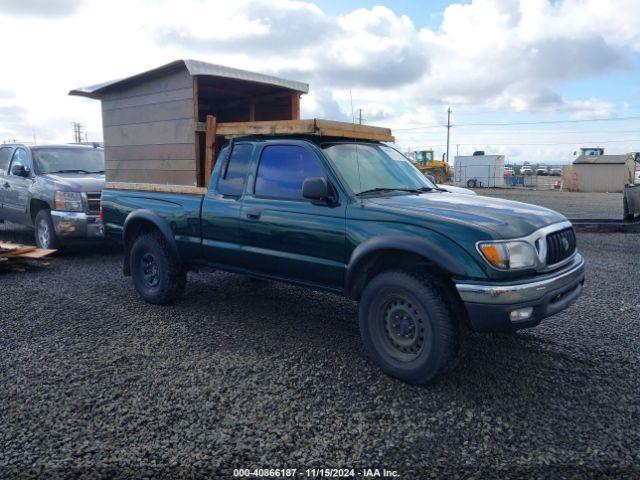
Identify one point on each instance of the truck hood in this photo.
(503, 218)
(78, 182)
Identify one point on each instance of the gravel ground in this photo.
(574, 205)
(94, 383)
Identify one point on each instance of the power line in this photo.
(537, 122)
(538, 144)
(543, 132)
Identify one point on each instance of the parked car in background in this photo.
(55, 189)
(555, 171)
(526, 170)
(454, 189)
(542, 171)
(508, 172)
(450, 188)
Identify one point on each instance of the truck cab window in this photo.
(5, 154)
(234, 172)
(20, 157)
(283, 169)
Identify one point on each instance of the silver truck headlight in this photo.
(509, 255)
(68, 201)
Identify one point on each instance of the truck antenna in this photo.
(355, 143)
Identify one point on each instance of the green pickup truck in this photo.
(356, 218)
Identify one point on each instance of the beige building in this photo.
(602, 173)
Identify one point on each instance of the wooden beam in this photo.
(154, 187)
(277, 127)
(295, 106)
(209, 148)
(305, 127)
(196, 135)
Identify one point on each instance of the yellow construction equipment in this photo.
(425, 161)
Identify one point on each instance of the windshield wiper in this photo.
(78, 170)
(386, 189)
(395, 189)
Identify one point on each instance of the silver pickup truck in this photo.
(55, 189)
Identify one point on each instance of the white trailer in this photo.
(479, 171)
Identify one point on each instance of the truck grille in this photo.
(560, 245)
(93, 202)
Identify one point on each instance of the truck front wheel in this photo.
(407, 326)
(44, 232)
(157, 276)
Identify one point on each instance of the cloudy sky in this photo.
(533, 79)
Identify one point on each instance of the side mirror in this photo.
(19, 171)
(316, 189)
(431, 178)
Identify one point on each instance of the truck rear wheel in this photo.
(157, 275)
(407, 327)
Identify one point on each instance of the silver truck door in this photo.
(5, 156)
(16, 188)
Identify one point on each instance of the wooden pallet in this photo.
(12, 255)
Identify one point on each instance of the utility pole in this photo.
(448, 129)
(77, 132)
(360, 116)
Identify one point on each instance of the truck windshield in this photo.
(371, 168)
(68, 160)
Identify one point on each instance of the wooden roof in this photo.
(194, 68)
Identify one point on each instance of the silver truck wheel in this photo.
(45, 234)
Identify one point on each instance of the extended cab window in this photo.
(283, 169)
(5, 154)
(235, 171)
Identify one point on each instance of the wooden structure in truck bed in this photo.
(163, 127)
(149, 120)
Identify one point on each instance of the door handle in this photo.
(6, 185)
(253, 214)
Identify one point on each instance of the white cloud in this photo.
(40, 8)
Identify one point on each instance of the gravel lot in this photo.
(574, 205)
(95, 383)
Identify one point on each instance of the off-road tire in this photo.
(426, 304)
(157, 275)
(44, 232)
(627, 216)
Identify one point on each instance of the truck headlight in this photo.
(509, 255)
(68, 201)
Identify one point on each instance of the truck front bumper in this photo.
(506, 306)
(77, 225)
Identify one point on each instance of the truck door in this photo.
(16, 188)
(5, 156)
(221, 206)
(285, 235)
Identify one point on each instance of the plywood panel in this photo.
(146, 187)
(149, 99)
(171, 177)
(173, 151)
(178, 109)
(156, 133)
(150, 165)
